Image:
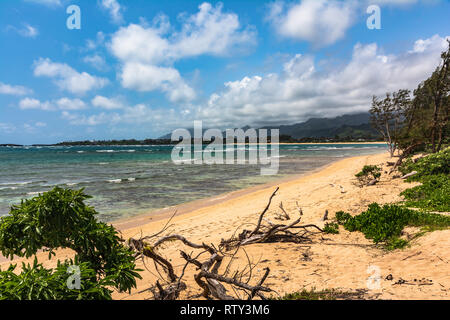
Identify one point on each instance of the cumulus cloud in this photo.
(96, 61)
(321, 22)
(115, 10)
(302, 90)
(14, 90)
(107, 103)
(60, 104)
(146, 77)
(25, 31)
(68, 78)
(147, 52)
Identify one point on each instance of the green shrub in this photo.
(331, 228)
(342, 217)
(60, 219)
(368, 173)
(38, 283)
(432, 164)
(433, 194)
(385, 224)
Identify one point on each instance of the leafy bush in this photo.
(342, 217)
(38, 283)
(385, 224)
(60, 219)
(433, 164)
(433, 194)
(368, 173)
(331, 228)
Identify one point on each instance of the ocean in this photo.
(125, 181)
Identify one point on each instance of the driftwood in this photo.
(325, 216)
(214, 281)
(272, 232)
(406, 176)
(284, 215)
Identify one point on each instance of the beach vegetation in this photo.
(384, 224)
(60, 219)
(331, 228)
(368, 175)
(433, 172)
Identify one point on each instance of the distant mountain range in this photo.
(355, 127)
(346, 127)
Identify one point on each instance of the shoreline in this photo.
(154, 215)
(190, 206)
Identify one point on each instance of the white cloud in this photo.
(70, 104)
(107, 103)
(14, 90)
(93, 120)
(61, 104)
(146, 77)
(68, 78)
(115, 10)
(151, 50)
(96, 61)
(94, 44)
(30, 103)
(26, 31)
(302, 91)
(321, 22)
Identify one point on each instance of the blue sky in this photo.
(141, 68)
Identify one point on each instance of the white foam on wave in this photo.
(115, 181)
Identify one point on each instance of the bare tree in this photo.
(387, 116)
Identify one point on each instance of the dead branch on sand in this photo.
(214, 282)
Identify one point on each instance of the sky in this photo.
(142, 68)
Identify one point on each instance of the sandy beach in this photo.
(342, 261)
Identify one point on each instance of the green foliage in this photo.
(433, 171)
(60, 219)
(432, 164)
(342, 217)
(38, 283)
(331, 228)
(433, 194)
(385, 224)
(368, 173)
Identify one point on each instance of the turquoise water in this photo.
(129, 180)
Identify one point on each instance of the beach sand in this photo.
(341, 261)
